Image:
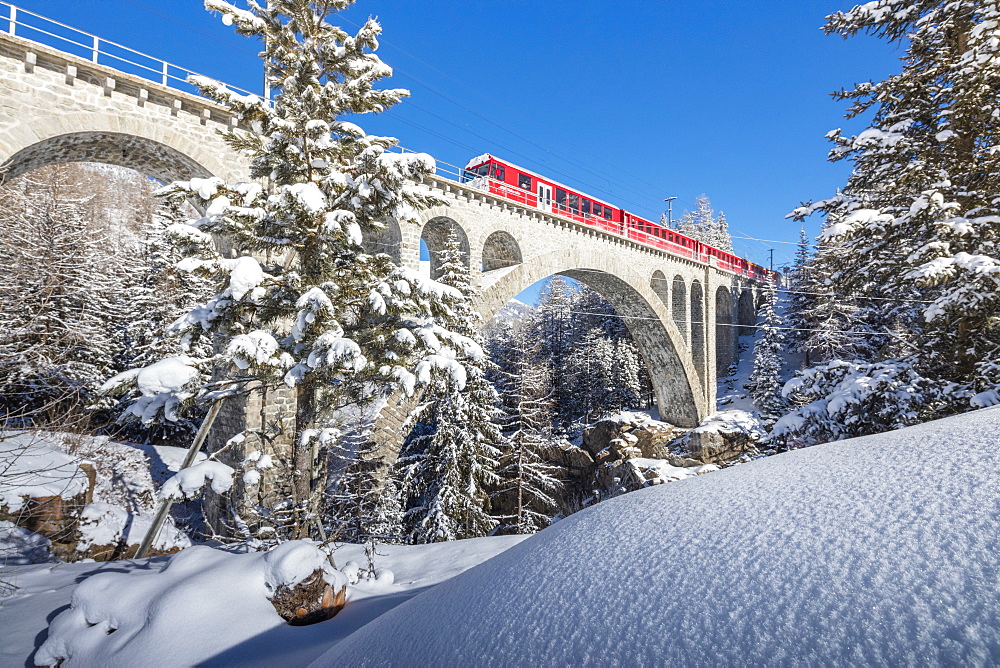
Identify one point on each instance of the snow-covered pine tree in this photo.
(524, 501)
(704, 225)
(721, 238)
(590, 369)
(843, 399)
(449, 464)
(310, 309)
(362, 504)
(627, 373)
(162, 294)
(765, 380)
(918, 216)
(831, 322)
(552, 325)
(157, 294)
(386, 522)
(800, 297)
(55, 295)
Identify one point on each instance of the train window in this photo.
(483, 170)
(560, 199)
(585, 207)
(574, 203)
(608, 213)
(598, 209)
(498, 172)
(524, 181)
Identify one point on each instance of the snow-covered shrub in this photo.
(845, 399)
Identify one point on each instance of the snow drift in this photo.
(875, 550)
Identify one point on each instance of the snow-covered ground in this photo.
(877, 550)
(210, 609)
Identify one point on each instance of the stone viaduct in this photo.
(684, 315)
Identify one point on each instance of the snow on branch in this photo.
(163, 387)
(187, 483)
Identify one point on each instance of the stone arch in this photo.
(154, 159)
(658, 284)
(388, 240)
(435, 233)
(746, 314)
(679, 307)
(679, 393)
(160, 150)
(725, 331)
(500, 250)
(698, 328)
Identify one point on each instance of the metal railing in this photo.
(31, 26)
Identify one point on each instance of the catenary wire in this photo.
(780, 290)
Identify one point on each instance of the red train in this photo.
(520, 185)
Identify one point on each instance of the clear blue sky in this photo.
(632, 101)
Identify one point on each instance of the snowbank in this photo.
(805, 557)
(107, 524)
(31, 467)
(18, 546)
(207, 606)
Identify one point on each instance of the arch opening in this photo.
(593, 364)
(725, 331)
(674, 395)
(746, 313)
(679, 395)
(698, 328)
(658, 283)
(500, 250)
(435, 236)
(678, 309)
(155, 159)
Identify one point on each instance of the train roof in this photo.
(478, 160)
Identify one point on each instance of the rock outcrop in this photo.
(723, 438)
(631, 450)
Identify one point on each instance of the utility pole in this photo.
(771, 261)
(670, 211)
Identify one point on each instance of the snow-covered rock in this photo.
(723, 437)
(31, 467)
(649, 437)
(801, 558)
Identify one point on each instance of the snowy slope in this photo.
(883, 549)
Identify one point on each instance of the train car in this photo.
(505, 179)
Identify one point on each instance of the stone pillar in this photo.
(409, 250)
(266, 419)
(711, 349)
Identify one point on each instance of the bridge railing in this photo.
(20, 22)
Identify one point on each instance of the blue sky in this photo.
(632, 101)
